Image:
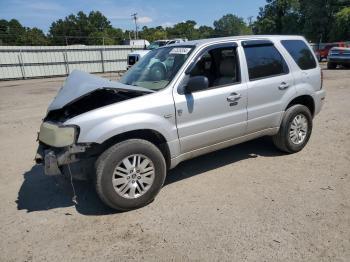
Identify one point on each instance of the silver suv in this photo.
(177, 103)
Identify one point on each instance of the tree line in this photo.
(95, 29)
(317, 20)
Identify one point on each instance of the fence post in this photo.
(65, 58)
(102, 61)
(20, 59)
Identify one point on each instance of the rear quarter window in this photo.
(264, 61)
(301, 53)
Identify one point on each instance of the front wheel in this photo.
(295, 130)
(130, 174)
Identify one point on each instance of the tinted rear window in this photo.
(264, 61)
(301, 53)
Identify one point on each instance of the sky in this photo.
(41, 13)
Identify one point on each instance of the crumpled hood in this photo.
(79, 83)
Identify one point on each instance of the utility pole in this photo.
(135, 19)
(250, 20)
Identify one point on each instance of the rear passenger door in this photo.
(270, 84)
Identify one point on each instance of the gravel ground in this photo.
(247, 202)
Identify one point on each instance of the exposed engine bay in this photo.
(96, 99)
(83, 92)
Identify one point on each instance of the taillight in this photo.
(321, 79)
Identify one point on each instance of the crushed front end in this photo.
(59, 150)
(59, 153)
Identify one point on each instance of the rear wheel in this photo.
(130, 174)
(295, 130)
(331, 65)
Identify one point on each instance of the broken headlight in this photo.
(57, 136)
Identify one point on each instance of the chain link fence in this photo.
(22, 62)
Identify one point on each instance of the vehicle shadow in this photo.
(40, 192)
(252, 149)
(339, 68)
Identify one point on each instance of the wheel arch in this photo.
(305, 100)
(149, 135)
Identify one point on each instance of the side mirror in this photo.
(196, 83)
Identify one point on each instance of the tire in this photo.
(331, 65)
(113, 157)
(283, 140)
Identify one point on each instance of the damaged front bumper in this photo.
(69, 161)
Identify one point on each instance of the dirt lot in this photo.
(248, 202)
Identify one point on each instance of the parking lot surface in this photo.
(248, 202)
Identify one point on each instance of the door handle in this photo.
(234, 97)
(283, 86)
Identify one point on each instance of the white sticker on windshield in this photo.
(180, 51)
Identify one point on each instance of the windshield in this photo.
(156, 69)
(156, 44)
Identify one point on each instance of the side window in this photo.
(264, 61)
(219, 65)
(301, 53)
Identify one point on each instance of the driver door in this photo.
(218, 113)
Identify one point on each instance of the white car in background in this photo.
(135, 56)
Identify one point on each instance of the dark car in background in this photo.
(323, 52)
(339, 56)
(322, 49)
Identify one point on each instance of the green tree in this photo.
(341, 26)
(152, 34)
(183, 30)
(3, 32)
(278, 17)
(231, 25)
(110, 36)
(75, 29)
(13, 33)
(98, 21)
(318, 18)
(205, 32)
(33, 36)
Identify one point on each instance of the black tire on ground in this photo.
(282, 140)
(107, 162)
(331, 65)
